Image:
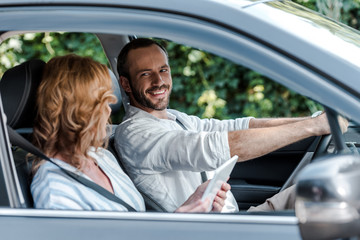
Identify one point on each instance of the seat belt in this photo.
(18, 140)
(203, 173)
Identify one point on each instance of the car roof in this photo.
(163, 4)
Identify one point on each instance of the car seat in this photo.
(18, 88)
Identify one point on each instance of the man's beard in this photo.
(145, 102)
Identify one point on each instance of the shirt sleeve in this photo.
(146, 147)
(198, 124)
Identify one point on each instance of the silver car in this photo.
(296, 47)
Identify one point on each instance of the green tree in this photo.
(47, 45)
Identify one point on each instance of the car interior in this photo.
(251, 182)
(18, 87)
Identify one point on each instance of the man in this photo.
(164, 151)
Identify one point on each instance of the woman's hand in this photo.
(194, 203)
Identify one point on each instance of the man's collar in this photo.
(135, 111)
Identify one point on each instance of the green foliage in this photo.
(209, 86)
(349, 11)
(47, 45)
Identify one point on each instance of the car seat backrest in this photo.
(18, 88)
(114, 109)
(117, 106)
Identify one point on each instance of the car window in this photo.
(210, 86)
(44, 46)
(204, 85)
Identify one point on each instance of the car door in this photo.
(252, 182)
(19, 221)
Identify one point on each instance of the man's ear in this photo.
(125, 84)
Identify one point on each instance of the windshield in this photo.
(305, 24)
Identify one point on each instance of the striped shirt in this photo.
(51, 188)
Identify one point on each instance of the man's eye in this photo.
(163, 70)
(144, 74)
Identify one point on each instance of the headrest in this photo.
(125, 98)
(117, 106)
(18, 88)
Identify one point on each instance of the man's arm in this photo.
(255, 142)
(272, 122)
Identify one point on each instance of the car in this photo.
(292, 45)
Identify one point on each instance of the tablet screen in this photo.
(221, 174)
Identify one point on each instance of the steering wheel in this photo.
(321, 148)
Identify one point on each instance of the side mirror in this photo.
(328, 198)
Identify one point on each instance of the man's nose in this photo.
(157, 79)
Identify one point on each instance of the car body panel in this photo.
(264, 45)
(112, 225)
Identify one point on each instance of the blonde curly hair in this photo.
(72, 102)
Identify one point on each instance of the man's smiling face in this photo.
(150, 80)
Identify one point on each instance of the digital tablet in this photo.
(221, 175)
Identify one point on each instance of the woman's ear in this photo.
(124, 82)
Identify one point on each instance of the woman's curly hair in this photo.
(72, 102)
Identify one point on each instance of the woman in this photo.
(73, 110)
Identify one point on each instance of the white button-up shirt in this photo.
(164, 160)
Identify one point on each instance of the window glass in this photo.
(210, 86)
(44, 46)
